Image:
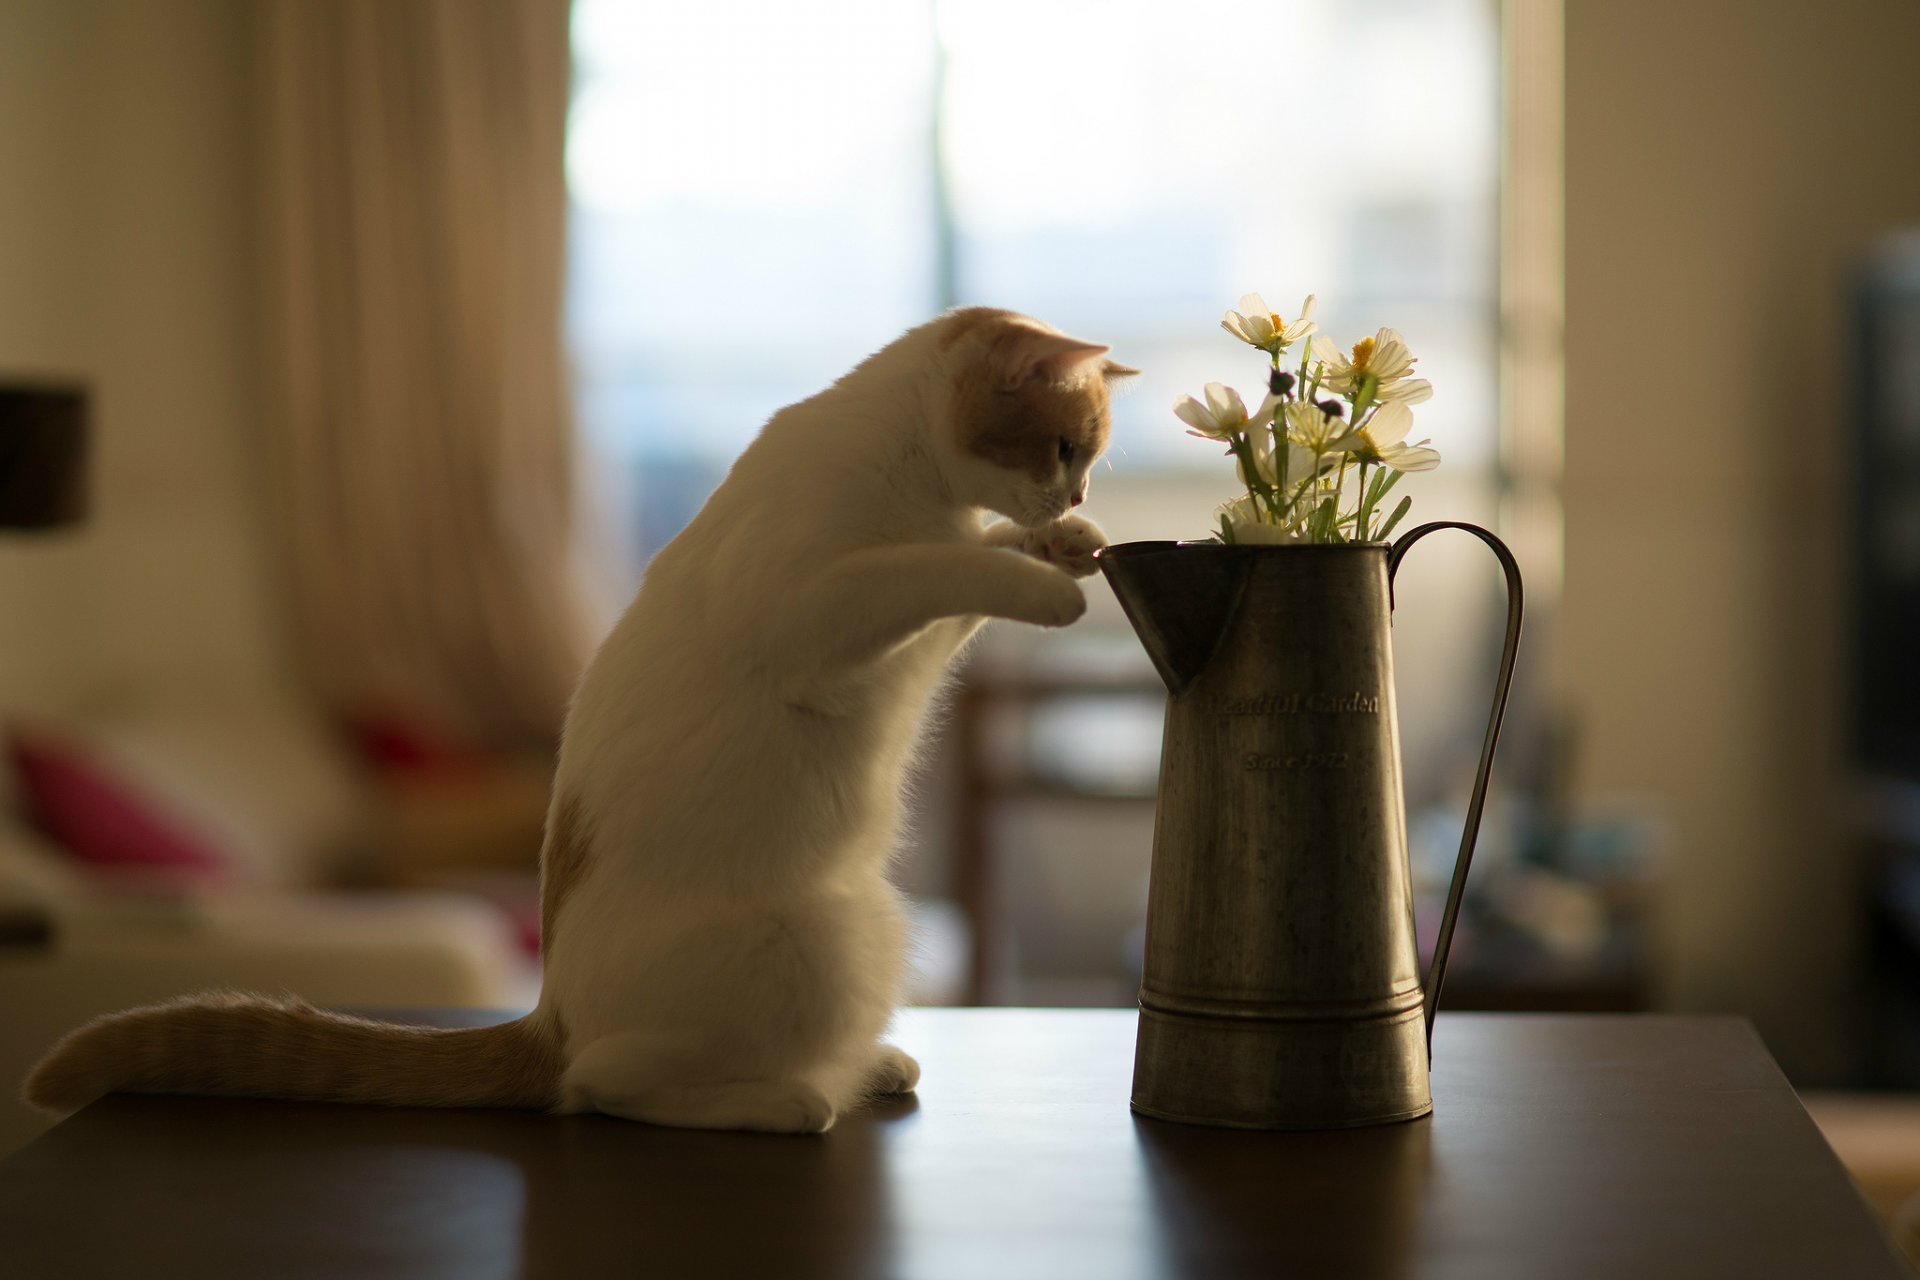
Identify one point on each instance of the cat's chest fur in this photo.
(707, 733)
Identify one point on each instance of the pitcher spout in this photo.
(1179, 596)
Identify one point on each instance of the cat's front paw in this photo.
(1068, 543)
(1049, 598)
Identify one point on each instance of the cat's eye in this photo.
(1066, 450)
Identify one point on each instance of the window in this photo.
(753, 211)
(764, 193)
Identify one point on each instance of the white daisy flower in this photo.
(1385, 359)
(1406, 391)
(1224, 414)
(1249, 529)
(1257, 326)
(1302, 460)
(1381, 436)
(1318, 432)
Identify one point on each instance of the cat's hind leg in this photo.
(768, 1106)
(641, 1076)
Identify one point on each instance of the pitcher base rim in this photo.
(1277, 1126)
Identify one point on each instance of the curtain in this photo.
(414, 255)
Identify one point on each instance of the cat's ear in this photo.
(1029, 355)
(1114, 369)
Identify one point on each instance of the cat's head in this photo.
(1025, 413)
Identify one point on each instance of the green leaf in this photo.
(1386, 530)
(1377, 485)
(1328, 517)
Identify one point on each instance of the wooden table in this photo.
(1559, 1147)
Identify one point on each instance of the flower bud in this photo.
(1332, 408)
(1280, 382)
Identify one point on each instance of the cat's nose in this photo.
(1079, 496)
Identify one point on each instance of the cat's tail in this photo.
(238, 1046)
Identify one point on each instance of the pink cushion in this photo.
(101, 820)
(399, 746)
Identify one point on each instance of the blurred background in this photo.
(355, 356)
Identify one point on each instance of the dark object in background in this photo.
(43, 455)
(1885, 538)
(1883, 614)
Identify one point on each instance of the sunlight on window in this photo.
(764, 193)
(742, 103)
(752, 188)
(1128, 170)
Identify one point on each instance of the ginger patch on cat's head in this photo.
(1030, 399)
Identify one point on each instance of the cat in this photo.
(722, 946)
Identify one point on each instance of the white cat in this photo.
(723, 948)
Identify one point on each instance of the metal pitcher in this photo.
(1281, 988)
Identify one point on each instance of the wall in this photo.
(126, 260)
(1727, 161)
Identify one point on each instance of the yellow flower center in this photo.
(1362, 354)
(1278, 323)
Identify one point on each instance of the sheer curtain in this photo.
(414, 252)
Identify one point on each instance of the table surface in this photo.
(1559, 1146)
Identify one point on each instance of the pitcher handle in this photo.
(1515, 605)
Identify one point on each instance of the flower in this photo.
(1243, 517)
(1405, 391)
(1385, 360)
(1317, 431)
(1223, 415)
(1258, 327)
(1301, 462)
(1380, 441)
(1294, 453)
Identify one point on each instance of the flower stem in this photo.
(1340, 486)
(1360, 511)
(1243, 453)
(1277, 434)
(1363, 398)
